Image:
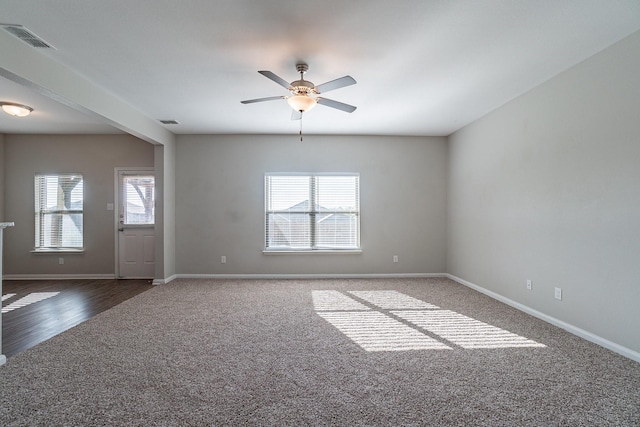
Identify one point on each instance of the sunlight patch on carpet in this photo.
(374, 331)
(398, 322)
(391, 300)
(334, 300)
(465, 331)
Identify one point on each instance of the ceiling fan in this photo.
(304, 94)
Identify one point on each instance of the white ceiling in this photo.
(424, 67)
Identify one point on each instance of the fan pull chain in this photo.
(301, 114)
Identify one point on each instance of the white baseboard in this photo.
(617, 348)
(624, 351)
(308, 276)
(165, 280)
(58, 276)
(225, 276)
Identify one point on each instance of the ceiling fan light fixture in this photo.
(304, 94)
(302, 103)
(16, 110)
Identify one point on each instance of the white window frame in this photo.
(124, 193)
(314, 248)
(41, 212)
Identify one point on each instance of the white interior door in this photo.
(136, 224)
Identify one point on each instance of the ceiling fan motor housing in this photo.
(302, 87)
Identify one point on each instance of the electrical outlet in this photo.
(60, 260)
(223, 259)
(558, 293)
(395, 258)
(529, 284)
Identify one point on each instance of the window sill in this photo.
(58, 251)
(311, 251)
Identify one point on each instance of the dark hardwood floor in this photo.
(41, 309)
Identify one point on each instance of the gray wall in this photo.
(220, 202)
(547, 188)
(2, 218)
(169, 210)
(165, 159)
(94, 156)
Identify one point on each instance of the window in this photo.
(59, 211)
(138, 204)
(312, 212)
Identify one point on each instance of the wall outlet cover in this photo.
(558, 293)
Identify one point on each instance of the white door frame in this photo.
(116, 210)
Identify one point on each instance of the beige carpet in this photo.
(317, 352)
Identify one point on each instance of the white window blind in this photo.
(312, 212)
(138, 193)
(59, 211)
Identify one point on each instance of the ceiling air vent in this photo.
(169, 122)
(27, 36)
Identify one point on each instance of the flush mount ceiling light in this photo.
(17, 110)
